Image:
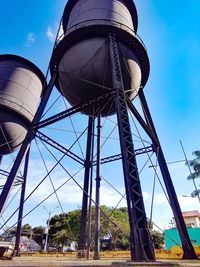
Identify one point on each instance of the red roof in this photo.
(193, 213)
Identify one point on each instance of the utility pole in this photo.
(47, 228)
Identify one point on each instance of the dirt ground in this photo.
(65, 262)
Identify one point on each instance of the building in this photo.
(192, 221)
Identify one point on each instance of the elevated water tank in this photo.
(21, 86)
(82, 56)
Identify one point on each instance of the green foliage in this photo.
(57, 223)
(58, 232)
(120, 231)
(157, 238)
(37, 234)
(73, 224)
(65, 228)
(26, 230)
(61, 238)
(26, 227)
(195, 165)
(197, 154)
(113, 225)
(122, 243)
(38, 230)
(195, 193)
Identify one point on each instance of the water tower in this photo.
(99, 65)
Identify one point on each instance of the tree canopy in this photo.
(38, 234)
(65, 228)
(114, 226)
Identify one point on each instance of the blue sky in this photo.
(170, 31)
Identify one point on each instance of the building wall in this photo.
(193, 222)
(172, 237)
(190, 222)
(197, 222)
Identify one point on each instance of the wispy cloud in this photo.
(30, 39)
(70, 195)
(52, 32)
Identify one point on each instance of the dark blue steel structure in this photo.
(140, 240)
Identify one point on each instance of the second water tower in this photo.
(21, 86)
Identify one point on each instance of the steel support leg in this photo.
(21, 207)
(188, 249)
(98, 181)
(90, 200)
(26, 143)
(82, 241)
(140, 240)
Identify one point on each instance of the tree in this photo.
(59, 232)
(195, 165)
(157, 238)
(38, 233)
(117, 228)
(65, 228)
(57, 223)
(26, 230)
(114, 226)
(61, 238)
(73, 224)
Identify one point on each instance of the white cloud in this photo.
(70, 194)
(52, 32)
(188, 203)
(160, 200)
(30, 39)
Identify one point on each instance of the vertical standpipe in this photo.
(21, 86)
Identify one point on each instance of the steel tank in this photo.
(21, 86)
(82, 55)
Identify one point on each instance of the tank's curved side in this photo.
(92, 76)
(21, 86)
